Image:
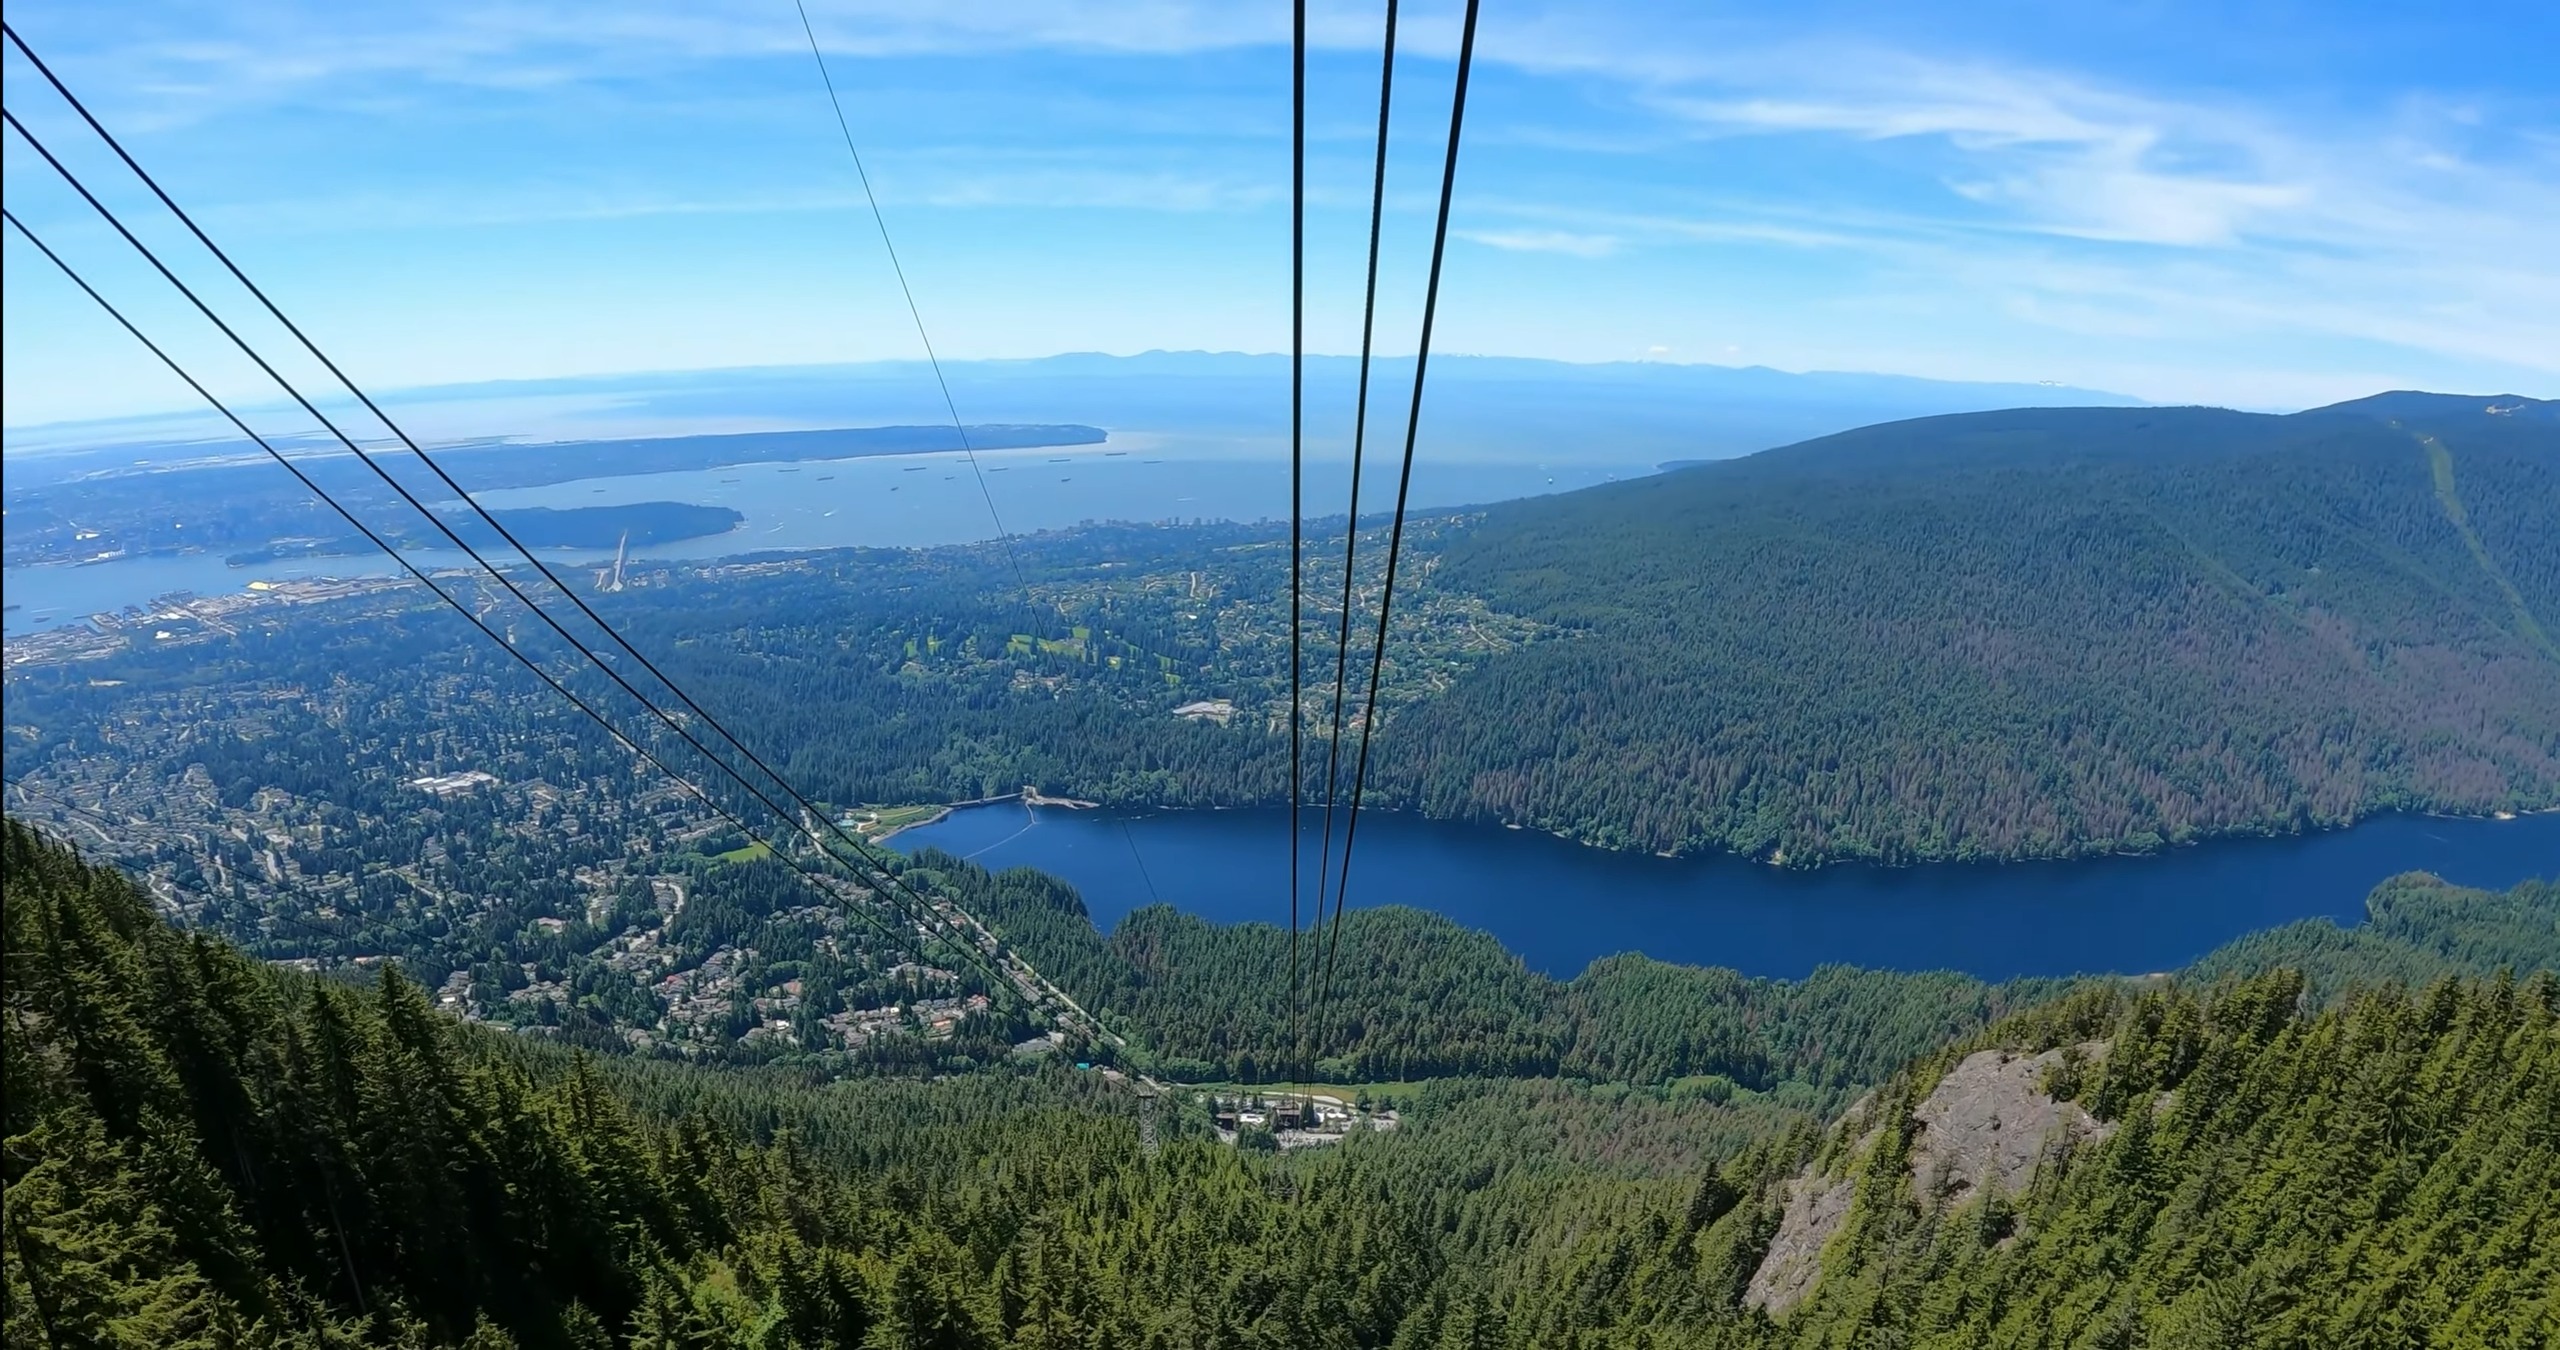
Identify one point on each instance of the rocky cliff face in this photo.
(1988, 1124)
(1816, 1207)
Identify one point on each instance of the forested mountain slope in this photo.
(1414, 995)
(2416, 930)
(205, 1152)
(2386, 1173)
(2035, 632)
(202, 1152)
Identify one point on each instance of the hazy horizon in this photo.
(1691, 407)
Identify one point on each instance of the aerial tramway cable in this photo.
(416, 572)
(1404, 486)
(913, 310)
(1297, 475)
(1359, 442)
(844, 127)
(447, 531)
(859, 846)
(884, 874)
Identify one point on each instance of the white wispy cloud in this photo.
(2064, 155)
(1545, 241)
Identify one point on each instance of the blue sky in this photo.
(2259, 205)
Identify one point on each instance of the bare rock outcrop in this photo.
(1816, 1207)
(1989, 1121)
(1817, 1204)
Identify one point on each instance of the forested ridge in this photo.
(202, 1151)
(1415, 995)
(2386, 1173)
(2044, 631)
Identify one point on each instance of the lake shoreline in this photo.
(2094, 852)
(1559, 905)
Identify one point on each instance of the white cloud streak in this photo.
(1566, 242)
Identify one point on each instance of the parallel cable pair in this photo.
(858, 845)
(455, 539)
(1332, 931)
(875, 866)
(421, 576)
(1297, 482)
(1359, 447)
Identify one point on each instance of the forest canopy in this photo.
(202, 1151)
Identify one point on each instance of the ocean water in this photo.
(902, 501)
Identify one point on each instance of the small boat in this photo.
(826, 478)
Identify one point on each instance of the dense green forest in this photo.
(1415, 995)
(202, 1151)
(2029, 632)
(2383, 1174)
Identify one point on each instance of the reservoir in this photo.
(1560, 905)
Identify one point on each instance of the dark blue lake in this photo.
(1560, 905)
